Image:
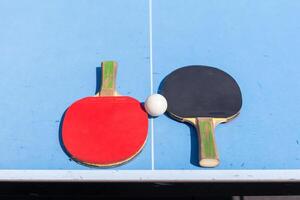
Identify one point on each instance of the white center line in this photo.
(151, 81)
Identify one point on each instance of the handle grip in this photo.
(109, 72)
(208, 154)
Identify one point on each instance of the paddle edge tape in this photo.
(117, 163)
(110, 164)
(192, 121)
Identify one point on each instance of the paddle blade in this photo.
(105, 131)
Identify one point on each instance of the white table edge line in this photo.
(152, 175)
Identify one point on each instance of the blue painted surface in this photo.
(50, 51)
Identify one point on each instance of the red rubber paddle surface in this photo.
(104, 130)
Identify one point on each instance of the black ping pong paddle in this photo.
(203, 96)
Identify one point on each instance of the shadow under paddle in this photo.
(194, 158)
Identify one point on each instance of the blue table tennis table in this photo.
(50, 54)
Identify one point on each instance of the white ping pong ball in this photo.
(156, 105)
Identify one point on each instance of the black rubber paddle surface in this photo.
(201, 91)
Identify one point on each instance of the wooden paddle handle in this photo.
(109, 72)
(208, 154)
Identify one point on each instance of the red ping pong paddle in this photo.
(203, 96)
(106, 129)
